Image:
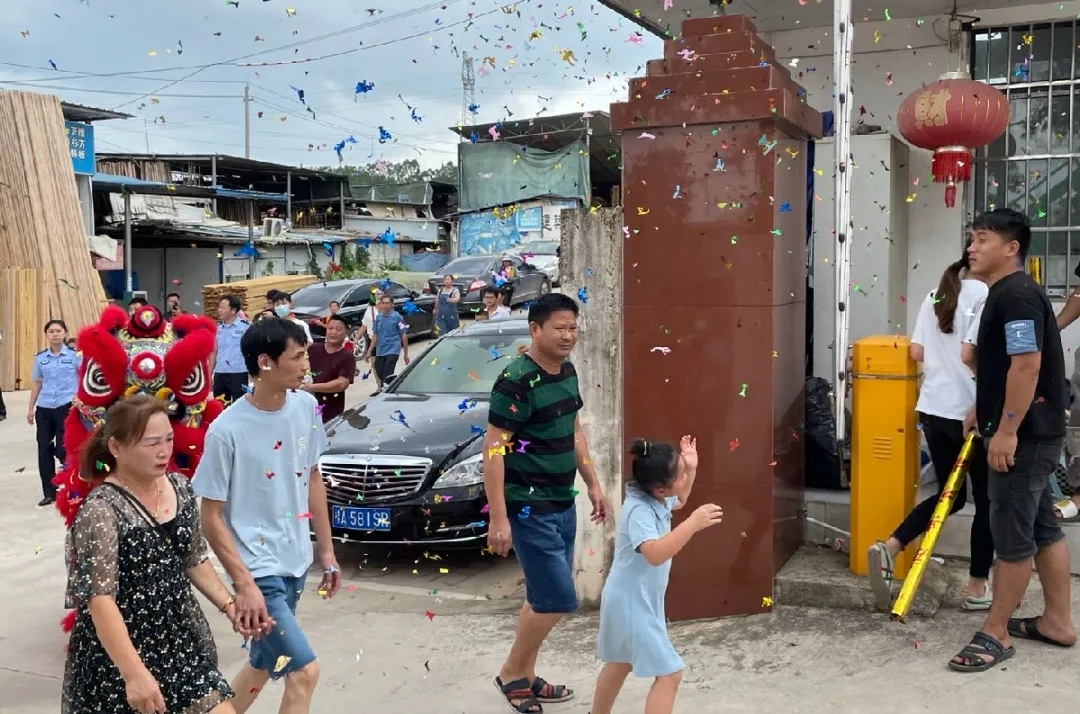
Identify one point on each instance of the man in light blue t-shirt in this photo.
(262, 495)
(389, 340)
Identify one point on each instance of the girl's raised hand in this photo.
(688, 451)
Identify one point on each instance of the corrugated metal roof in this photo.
(113, 183)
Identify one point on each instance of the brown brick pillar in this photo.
(714, 202)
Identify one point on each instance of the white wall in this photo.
(914, 56)
(893, 59)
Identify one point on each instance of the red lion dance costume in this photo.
(122, 356)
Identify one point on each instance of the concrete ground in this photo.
(410, 642)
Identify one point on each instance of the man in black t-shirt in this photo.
(1020, 413)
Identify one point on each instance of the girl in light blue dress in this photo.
(633, 629)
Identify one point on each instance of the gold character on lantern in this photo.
(930, 109)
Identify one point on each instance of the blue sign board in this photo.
(483, 232)
(81, 146)
(530, 219)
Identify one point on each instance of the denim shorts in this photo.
(544, 545)
(285, 639)
(1022, 518)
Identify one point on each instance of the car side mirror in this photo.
(391, 378)
(413, 294)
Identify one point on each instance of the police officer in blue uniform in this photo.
(230, 372)
(55, 377)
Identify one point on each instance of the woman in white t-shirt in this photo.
(945, 401)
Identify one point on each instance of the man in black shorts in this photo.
(1020, 413)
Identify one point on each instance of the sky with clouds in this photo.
(180, 67)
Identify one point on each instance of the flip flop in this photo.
(981, 644)
(880, 568)
(1026, 628)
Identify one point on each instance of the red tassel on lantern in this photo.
(950, 117)
(951, 165)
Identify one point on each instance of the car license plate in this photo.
(360, 519)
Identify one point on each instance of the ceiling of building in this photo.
(651, 15)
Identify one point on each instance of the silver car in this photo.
(544, 254)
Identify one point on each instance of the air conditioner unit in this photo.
(273, 227)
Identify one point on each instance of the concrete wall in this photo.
(592, 259)
(405, 228)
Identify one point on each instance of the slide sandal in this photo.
(971, 603)
(1027, 628)
(981, 644)
(1066, 509)
(880, 569)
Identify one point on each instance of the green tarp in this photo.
(414, 194)
(497, 173)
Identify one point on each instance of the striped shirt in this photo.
(540, 410)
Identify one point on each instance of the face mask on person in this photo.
(281, 310)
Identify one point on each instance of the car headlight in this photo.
(467, 472)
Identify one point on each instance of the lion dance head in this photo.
(122, 356)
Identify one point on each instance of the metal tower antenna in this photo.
(468, 87)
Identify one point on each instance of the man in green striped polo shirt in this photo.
(534, 449)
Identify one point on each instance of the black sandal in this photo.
(520, 691)
(558, 692)
(1027, 628)
(972, 654)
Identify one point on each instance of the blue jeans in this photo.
(285, 639)
(544, 545)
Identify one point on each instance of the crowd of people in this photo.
(990, 349)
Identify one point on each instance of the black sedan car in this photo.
(472, 273)
(311, 303)
(407, 465)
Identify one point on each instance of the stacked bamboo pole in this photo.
(42, 225)
(24, 311)
(252, 293)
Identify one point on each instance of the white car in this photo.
(544, 255)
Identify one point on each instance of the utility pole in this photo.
(468, 87)
(247, 155)
(247, 121)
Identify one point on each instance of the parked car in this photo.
(311, 303)
(544, 254)
(472, 273)
(407, 465)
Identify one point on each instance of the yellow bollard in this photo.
(941, 512)
(884, 444)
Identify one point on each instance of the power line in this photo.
(337, 33)
(112, 91)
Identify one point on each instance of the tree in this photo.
(392, 172)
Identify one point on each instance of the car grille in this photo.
(363, 479)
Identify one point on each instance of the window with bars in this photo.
(1034, 167)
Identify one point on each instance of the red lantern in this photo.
(950, 117)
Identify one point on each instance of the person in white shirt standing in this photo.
(492, 310)
(262, 496)
(946, 411)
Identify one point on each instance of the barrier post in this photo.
(884, 444)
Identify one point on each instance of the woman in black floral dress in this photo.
(141, 641)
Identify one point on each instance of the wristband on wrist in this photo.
(230, 601)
